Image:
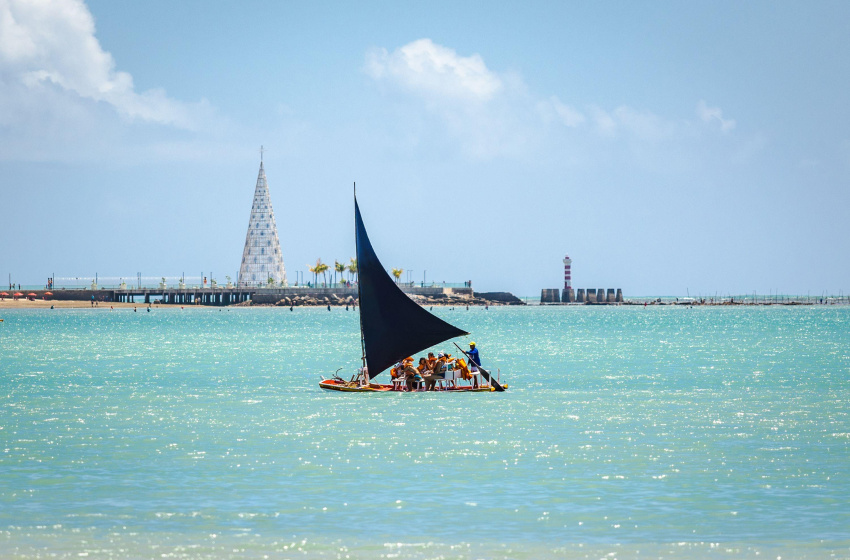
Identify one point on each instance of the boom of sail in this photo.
(392, 326)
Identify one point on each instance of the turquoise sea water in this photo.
(627, 432)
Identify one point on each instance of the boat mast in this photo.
(359, 314)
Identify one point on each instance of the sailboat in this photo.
(392, 326)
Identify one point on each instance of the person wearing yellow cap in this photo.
(474, 358)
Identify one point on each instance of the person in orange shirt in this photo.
(410, 373)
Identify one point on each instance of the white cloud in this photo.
(568, 116)
(646, 125)
(486, 112)
(429, 70)
(622, 122)
(50, 45)
(714, 114)
(603, 122)
(493, 114)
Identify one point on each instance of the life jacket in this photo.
(460, 364)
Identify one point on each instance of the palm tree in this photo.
(338, 267)
(315, 270)
(321, 268)
(397, 273)
(352, 267)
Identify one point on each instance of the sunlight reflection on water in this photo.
(625, 430)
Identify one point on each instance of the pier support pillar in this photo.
(611, 297)
(591, 295)
(619, 295)
(580, 297)
(568, 295)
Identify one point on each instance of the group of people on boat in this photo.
(431, 369)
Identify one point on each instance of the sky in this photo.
(669, 148)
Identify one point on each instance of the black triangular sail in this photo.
(392, 325)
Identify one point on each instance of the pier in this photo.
(221, 296)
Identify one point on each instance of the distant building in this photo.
(262, 260)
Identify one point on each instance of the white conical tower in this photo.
(261, 258)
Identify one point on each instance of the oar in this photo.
(484, 372)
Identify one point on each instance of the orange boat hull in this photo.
(352, 387)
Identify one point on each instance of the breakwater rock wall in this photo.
(424, 296)
(503, 298)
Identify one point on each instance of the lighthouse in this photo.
(568, 296)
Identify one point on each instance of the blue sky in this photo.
(668, 147)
